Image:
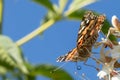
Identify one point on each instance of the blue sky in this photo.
(23, 16)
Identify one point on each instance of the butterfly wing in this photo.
(84, 38)
(72, 56)
(89, 32)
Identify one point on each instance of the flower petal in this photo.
(117, 77)
(101, 74)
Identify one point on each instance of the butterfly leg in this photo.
(87, 51)
(85, 62)
(105, 43)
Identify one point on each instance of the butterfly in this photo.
(88, 33)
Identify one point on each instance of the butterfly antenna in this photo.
(58, 68)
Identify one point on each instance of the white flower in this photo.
(116, 77)
(104, 72)
(101, 74)
(115, 52)
(119, 42)
(114, 21)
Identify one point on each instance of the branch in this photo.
(36, 32)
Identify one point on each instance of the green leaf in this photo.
(77, 4)
(46, 70)
(51, 15)
(1, 15)
(10, 55)
(45, 3)
(77, 15)
(3, 70)
(62, 4)
(29, 77)
(48, 16)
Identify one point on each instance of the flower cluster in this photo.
(109, 58)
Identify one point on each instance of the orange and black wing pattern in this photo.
(87, 35)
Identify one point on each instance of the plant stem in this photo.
(35, 32)
(1, 15)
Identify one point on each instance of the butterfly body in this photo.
(87, 36)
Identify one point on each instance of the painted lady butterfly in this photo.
(87, 36)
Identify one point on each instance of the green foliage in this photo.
(45, 3)
(11, 56)
(47, 70)
(77, 4)
(57, 14)
(77, 15)
(60, 14)
(62, 5)
(1, 11)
